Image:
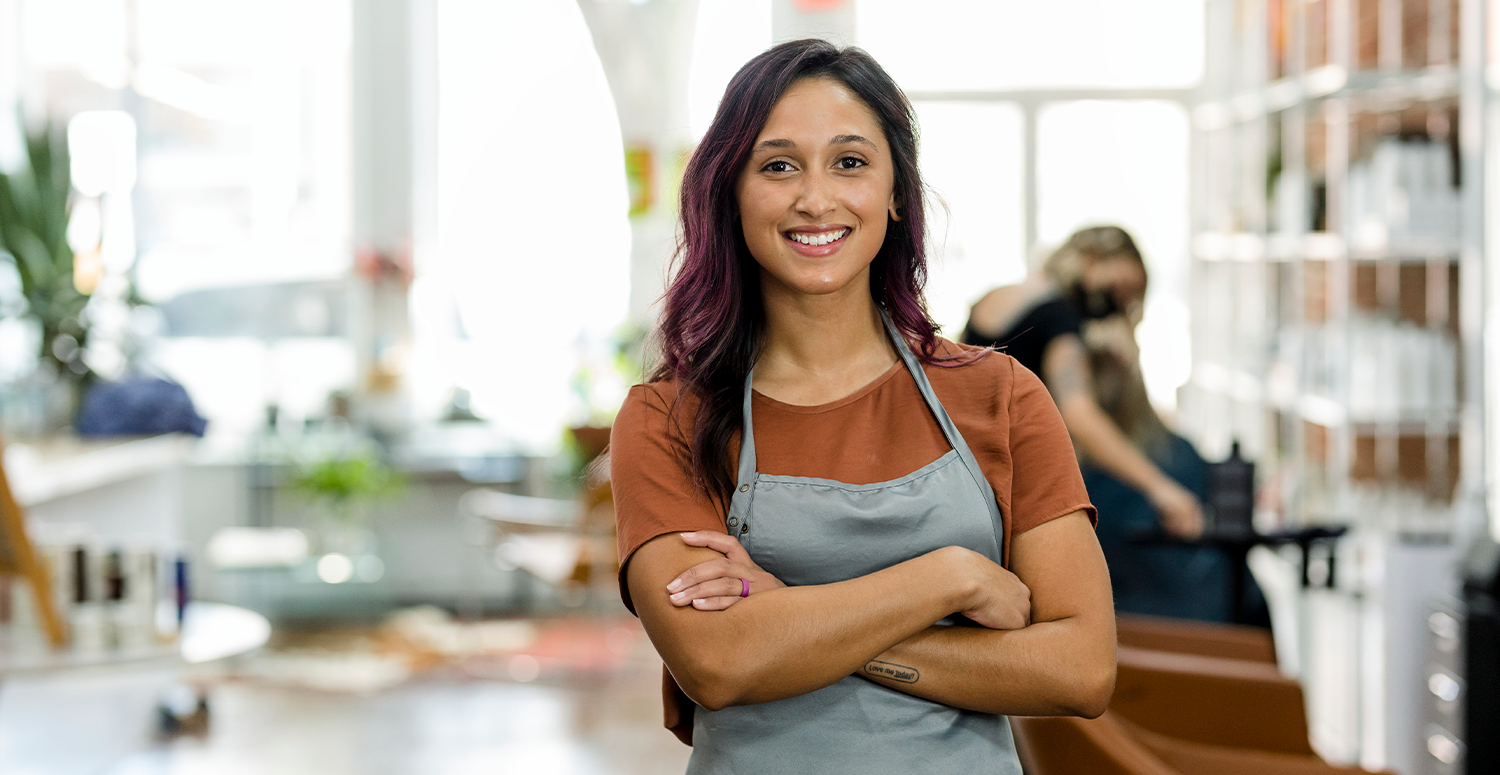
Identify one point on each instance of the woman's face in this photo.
(1122, 277)
(817, 190)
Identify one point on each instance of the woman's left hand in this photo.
(718, 584)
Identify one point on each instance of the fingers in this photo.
(719, 542)
(719, 587)
(715, 603)
(702, 572)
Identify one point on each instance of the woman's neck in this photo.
(821, 348)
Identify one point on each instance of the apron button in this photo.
(745, 528)
(734, 521)
(744, 488)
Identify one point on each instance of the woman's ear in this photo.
(894, 208)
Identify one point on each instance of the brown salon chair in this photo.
(1110, 746)
(1234, 703)
(1189, 757)
(1184, 636)
(1064, 746)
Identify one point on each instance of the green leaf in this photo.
(36, 264)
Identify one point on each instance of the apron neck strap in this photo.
(745, 478)
(746, 475)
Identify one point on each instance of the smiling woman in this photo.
(854, 544)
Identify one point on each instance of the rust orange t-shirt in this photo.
(882, 431)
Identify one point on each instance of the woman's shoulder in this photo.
(972, 367)
(656, 409)
(652, 396)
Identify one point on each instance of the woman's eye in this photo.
(777, 166)
(850, 162)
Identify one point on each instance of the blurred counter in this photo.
(416, 535)
(53, 468)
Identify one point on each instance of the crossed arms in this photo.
(1046, 647)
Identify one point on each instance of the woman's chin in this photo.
(822, 285)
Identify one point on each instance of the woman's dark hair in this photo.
(712, 324)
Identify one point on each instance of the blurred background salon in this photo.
(315, 317)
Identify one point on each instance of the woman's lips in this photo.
(816, 243)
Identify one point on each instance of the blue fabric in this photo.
(1186, 582)
(138, 407)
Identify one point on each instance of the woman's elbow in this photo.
(709, 684)
(1092, 689)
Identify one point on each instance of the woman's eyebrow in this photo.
(778, 143)
(837, 140)
(842, 139)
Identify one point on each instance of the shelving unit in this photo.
(1331, 261)
(1338, 310)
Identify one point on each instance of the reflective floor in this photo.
(591, 717)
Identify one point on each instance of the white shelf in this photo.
(1320, 246)
(1318, 409)
(211, 632)
(50, 469)
(1328, 81)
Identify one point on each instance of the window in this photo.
(971, 160)
(533, 237)
(1126, 163)
(946, 45)
(241, 112)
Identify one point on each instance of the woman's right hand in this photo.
(1180, 513)
(995, 597)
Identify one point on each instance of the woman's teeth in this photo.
(818, 239)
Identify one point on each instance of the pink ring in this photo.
(744, 587)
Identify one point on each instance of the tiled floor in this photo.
(440, 722)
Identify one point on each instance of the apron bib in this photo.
(806, 530)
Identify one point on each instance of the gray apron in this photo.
(803, 531)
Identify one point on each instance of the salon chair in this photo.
(567, 544)
(1235, 703)
(1109, 745)
(1204, 639)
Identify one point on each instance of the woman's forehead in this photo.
(820, 110)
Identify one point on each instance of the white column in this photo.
(646, 50)
(384, 124)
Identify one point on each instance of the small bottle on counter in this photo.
(86, 617)
(135, 611)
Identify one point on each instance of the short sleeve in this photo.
(1046, 481)
(650, 474)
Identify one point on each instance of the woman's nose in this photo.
(817, 196)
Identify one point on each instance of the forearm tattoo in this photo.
(902, 673)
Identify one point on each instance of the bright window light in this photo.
(533, 235)
(1006, 44)
(101, 149)
(89, 35)
(1126, 163)
(729, 33)
(971, 161)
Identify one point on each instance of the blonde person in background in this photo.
(1095, 281)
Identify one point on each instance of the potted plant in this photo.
(341, 489)
(34, 211)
